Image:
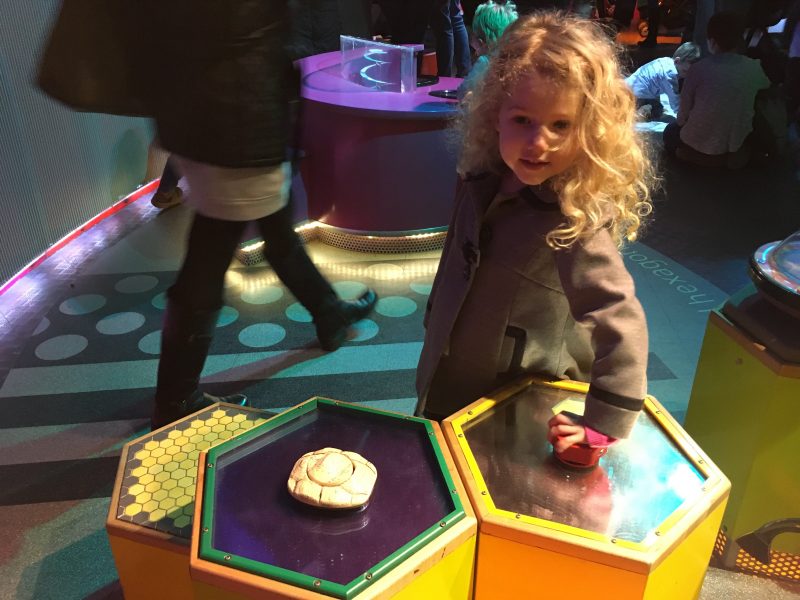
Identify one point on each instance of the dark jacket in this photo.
(219, 78)
(504, 303)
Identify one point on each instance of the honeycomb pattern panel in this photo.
(158, 482)
(783, 566)
(421, 242)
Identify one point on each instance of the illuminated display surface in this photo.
(638, 484)
(250, 521)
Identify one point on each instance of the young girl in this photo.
(553, 180)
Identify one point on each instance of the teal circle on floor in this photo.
(227, 315)
(136, 284)
(82, 305)
(151, 343)
(262, 335)
(366, 329)
(349, 290)
(420, 287)
(395, 306)
(119, 323)
(160, 301)
(43, 325)
(298, 313)
(263, 295)
(61, 347)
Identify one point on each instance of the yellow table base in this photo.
(744, 413)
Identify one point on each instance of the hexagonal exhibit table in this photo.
(641, 524)
(152, 505)
(415, 538)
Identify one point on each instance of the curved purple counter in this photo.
(375, 163)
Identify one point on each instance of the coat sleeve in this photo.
(600, 292)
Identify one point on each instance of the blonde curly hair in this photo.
(609, 183)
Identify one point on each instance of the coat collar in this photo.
(483, 187)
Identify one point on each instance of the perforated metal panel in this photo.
(59, 168)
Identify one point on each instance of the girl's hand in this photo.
(563, 432)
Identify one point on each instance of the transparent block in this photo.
(378, 66)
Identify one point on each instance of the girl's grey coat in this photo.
(504, 303)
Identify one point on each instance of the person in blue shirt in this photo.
(662, 76)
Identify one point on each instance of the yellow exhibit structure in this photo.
(744, 412)
(640, 525)
(150, 517)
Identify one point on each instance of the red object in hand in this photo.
(581, 456)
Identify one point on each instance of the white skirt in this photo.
(235, 194)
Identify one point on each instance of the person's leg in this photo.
(193, 305)
(672, 138)
(286, 254)
(653, 23)
(168, 193)
(443, 30)
(463, 62)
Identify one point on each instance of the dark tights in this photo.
(212, 244)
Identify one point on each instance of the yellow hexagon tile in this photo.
(150, 506)
(218, 414)
(139, 471)
(167, 503)
(174, 434)
(151, 445)
(185, 500)
(143, 497)
(188, 463)
(173, 450)
(160, 495)
(157, 452)
(133, 509)
(148, 462)
(146, 478)
(164, 459)
(180, 456)
(141, 454)
(186, 482)
(225, 419)
(157, 514)
(152, 487)
(162, 477)
(233, 426)
(155, 469)
(171, 467)
(169, 484)
(136, 488)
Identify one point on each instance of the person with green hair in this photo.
(488, 24)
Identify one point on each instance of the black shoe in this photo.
(333, 324)
(166, 414)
